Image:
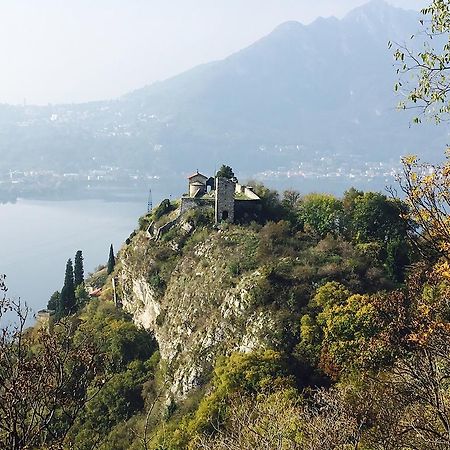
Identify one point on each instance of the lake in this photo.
(38, 237)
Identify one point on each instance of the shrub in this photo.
(246, 373)
(234, 268)
(144, 222)
(163, 208)
(156, 281)
(200, 217)
(274, 239)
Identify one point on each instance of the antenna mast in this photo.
(149, 202)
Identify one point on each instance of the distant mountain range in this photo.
(309, 102)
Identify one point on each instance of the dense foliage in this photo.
(368, 366)
(358, 357)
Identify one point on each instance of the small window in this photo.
(224, 215)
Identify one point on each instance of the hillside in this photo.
(320, 324)
(312, 102)
(209, 292)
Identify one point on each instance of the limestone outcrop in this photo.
(199, 300)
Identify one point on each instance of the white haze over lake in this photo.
(38, 237)
(56, 51)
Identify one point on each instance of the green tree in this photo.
(330, 294)
(113, 331)
(111, 260)
(225, 172)
(346, 328)
(377, 218)
(379, 226)
(350, 197)
(118, 400)
(321, 213)
(81, 296)
(427, 83)
(348, 203)
(78, 270)
(247, 373)
(311, 332)
(397, 258)
(67, 302)
(271, 207)
(53, 303)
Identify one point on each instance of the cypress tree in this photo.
(111, 260)
(78, 270)
(67, 299)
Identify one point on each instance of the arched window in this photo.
(224, 215)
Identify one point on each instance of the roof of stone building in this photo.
(198, 174)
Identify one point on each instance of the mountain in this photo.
(314, 101)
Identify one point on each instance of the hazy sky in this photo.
(55, 51)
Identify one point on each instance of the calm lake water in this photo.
(37, 238)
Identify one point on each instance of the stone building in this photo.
(224, 200)
(197, 185)
(229, 199)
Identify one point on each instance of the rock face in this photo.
(198, 301)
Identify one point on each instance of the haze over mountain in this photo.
(314, 101)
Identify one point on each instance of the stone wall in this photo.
(165, 228)
(224, 208)
(188, 203)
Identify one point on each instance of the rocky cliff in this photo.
(197, 294)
